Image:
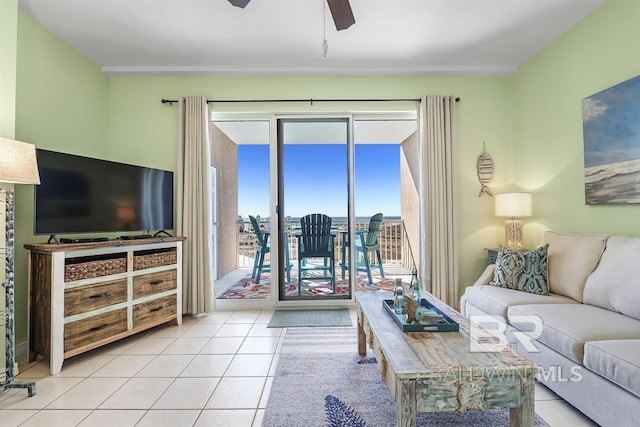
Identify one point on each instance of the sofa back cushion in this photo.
(572, 258)
(615, 284)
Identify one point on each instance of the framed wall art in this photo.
(611, 127)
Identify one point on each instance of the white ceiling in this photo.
(270, 37)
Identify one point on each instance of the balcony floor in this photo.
(239, 284)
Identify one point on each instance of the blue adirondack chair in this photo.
(263, 248)
(366, 241)
(315, 240)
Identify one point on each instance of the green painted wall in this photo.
(61, 104)
(548, 146)
(62, 95)
(8, 53)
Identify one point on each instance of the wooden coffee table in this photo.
(437, 371)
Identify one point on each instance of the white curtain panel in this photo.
(438, 196)
(194, 204)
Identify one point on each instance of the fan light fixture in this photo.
(239, 3)
(342, 16)
(325, 43)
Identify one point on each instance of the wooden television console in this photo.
(85, 295)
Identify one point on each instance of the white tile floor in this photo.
(214, 370)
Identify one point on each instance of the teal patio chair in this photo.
(366, 241)
(263, 248)
(316, 240)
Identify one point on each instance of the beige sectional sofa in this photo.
(589, 344)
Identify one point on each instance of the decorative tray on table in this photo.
(434, 320)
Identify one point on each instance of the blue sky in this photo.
(316, 179)
(611, 123)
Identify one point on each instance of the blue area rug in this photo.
(321, 381)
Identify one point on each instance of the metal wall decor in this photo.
(485, 168)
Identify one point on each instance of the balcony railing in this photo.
(394, 244)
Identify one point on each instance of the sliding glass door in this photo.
(313, 207)
(278, 170)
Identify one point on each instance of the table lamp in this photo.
(513, 206)
(18, 165)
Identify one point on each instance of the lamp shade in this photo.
(513, 205)
(18, 164)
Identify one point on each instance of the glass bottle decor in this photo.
(399, 302)
(415, 286)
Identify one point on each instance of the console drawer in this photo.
(155, 310)
(154, 283)
(91, 297)
(94, 266)
(93, 329)
(154, 258)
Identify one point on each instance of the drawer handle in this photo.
(97, 328)
(155, 309)
(155, 282)
(102, 295)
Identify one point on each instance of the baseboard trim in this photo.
(22, 355)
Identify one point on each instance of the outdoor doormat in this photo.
(304, 318)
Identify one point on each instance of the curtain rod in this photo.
(311, 101)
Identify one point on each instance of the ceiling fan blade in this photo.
(239, 3)
(341, 13)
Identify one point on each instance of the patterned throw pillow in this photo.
(523, 271)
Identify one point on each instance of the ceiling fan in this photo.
(239, 3)
(340, 11)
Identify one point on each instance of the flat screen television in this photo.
(85, 195)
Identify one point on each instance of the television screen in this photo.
(84, 195)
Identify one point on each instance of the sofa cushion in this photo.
(615, 283)
(571, 259)
(495, 301)
(567, 327)
(616, 360)
(523, 271)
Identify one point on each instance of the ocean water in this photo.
(613, 183)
